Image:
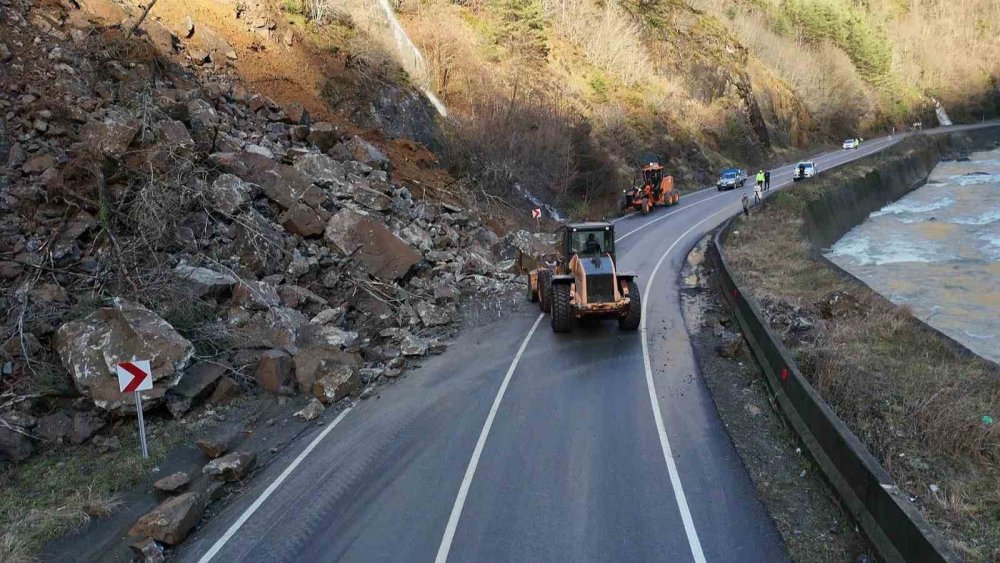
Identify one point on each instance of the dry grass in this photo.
(61, 490)
(908, 396)
(609, 37)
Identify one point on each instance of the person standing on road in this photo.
(746, 204)
(758, 189)
(767, 180)
(760, 180)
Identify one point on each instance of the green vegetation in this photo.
(707, 83)
(58, 491)
(849, 28)
(520, 27)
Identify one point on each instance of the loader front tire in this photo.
(562, 313)
(646, 205)
(634, 314)
(545, 290)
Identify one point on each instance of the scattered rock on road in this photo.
(342, 382)
(148, 551)
(172, 520)
(311, 411)
(230, 467)
(173, 483)
(731, 345)
(217, 445)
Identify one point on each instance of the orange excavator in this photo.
(651, 188)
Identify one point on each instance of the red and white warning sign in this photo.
(135, 376)
(536, 212)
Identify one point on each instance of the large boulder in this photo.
(380, 252)
(324, 135)
(274, 371)
(228, 194)
(258, 243)
(340, 383)
(526, 249)
(230, 467)
(281, 183)
(197, 383)
(323, 170)
(203, 282)
(172, 520)
(112, 136)
(315, 362)
(90, 349)
(15, 446)
(302, 220)
(361, 150)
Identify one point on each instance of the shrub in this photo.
(610, 39)
(849, 28)
(521, 27)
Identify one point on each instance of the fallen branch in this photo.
(141, 18)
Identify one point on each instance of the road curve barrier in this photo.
(897, 529)
(893, 524)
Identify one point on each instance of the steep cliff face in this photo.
(566, 98)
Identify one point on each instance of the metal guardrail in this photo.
(897, 529)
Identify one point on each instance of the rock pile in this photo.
(150, 213)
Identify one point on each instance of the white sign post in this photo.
(133, 377)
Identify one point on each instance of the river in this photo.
(937, 251)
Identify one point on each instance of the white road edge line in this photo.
(668, 456)
(221, 542)
(662, 217)
(470, 471)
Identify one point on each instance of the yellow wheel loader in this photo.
(584, 282)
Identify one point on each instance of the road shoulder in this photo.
(811, 522)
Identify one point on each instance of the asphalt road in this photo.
(518, 444)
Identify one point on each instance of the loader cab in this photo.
(589, 240)
(652, 174)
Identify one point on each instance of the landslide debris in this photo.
(156, 207)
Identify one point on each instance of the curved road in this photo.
(520, 444)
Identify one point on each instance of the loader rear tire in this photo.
(562, 313)
(545, 290)
(634, 314)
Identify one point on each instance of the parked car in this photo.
(731, 178)
(852, 143)
(804, 170)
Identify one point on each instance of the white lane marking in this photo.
(270, 490)
(662, 217)
(470, 471)
(668, 456)
(623, 217)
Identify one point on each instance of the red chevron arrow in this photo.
(137, 376)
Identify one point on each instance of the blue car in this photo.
(731, 179)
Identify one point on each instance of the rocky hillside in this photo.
(154, 206)
(566, 97)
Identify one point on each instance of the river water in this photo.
(937, 250)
